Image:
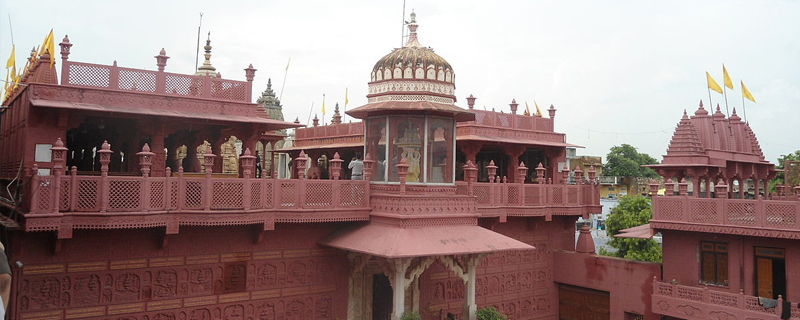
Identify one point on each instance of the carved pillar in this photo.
(491, 169)
(160, 156)
(683, 188)
(579, 175)
(368, 165)
(336, 166)
(402, 172)
(247, 162)
(105, 157)
(654, 189)
(470, 307)
(670, 188)
(540, 178)
(471, 150)
(145, 160)
(59, 154)
(522, 172)
(513, 153)
(399, 285)
(721, 190)
(208, 162)
(301, 165)
(565, 174)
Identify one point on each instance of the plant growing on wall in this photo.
(490, 313)
(410, 315)
(632, 211)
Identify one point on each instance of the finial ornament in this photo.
(412, 32)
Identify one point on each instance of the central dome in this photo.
(412, 73)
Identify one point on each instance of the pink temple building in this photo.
(121, 206)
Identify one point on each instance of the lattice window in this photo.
(352, 194)
(318, 194)
(255, 194)
(780, 215)
(137, 80)
(461, 189)
(287, 194)
(184, 85)
(89, 76)
(87, 196)
(194, 195)
(45, 191)
(670, 210)
(65, 195)
(704, 211)
(157, 195)
(268, 194)
(227, 195)
(124, 195)
(572, 195)
(741, 213)
(173, 195)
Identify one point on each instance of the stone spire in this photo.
(412, 32)
(207, 68)
(271, 103)
(337, 117)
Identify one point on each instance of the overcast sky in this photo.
(617, 71)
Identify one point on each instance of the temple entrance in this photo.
(577, 303)
(770, 272)
(381, 297)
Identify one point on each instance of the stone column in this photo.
(470, 307)
(399, 289)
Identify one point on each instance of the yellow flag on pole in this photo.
(323, 104)
(49, 45)
(12, 60)
(345, 99)
(538, 111)
(527, 110)
(746, 93)
(727, 78)
(287, 64)
(713, 85)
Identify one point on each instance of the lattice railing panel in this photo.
(184, 85)
(63, 201)
(525, 123)
(503, 120)
(664, 289)
(268, 194)
(704, 211)
(780, 215)
(670, 210)
(87, 196)
(572, 195)
(533, 195)
(157, 194)
(482, 191)
(137, 80)
(558, 195)
(255, 193)
(462, 189)
(480, 118)
(124, 195)
(89, 75)
(751, 304)
(741, 213)
(690, 293)
(227, 194)
(173, 194)
(723, 298)
(353, 194)
(228, 90)
(194, 195)
(318, 194)
(45, 192)
(288, 190)
(514, 194)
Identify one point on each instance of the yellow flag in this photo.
(287, 63)
(727, 78)
(527, 109)
(323, 104)
(746, 93)
(713, 85)
(49, 45)
(345, 99)
(538, 111)
(12, 60)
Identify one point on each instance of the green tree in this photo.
(632, 211)
(794, 173)
(490, 313)
(626, 161)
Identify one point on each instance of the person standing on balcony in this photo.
(357, 166)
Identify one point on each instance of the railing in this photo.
(74, 193)
(769, 214)
(513, 121)
(689, 302)
(518, 194)
(328, 131)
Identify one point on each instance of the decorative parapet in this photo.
(696, 303)
(767, 218)
(519, 199)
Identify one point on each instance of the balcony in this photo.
(686, 302)
(528, 200)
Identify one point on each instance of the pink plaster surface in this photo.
(628, 282)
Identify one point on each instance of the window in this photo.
(714, 263)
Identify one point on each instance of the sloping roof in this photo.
(483, 138)
(390, 241)
(640, 232)
(416, 106)
(274, 124)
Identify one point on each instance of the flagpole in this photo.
(725, 94)
(309, 113)
(710, 104)
(344, 114)
(197, 55)
(285, 73)
(744, 109)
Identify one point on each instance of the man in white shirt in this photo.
(357, 166)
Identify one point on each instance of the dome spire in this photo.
(412, 32)
(207, 68)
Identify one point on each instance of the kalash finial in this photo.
(207, 68)
(412, 32)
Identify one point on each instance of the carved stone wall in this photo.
(517, 283)
(202, 273)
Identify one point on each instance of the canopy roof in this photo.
(640, 232)
(417, 107)
(390, 241)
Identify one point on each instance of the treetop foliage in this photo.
(626, 161)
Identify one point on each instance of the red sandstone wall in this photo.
(203, 273)
(518, 283)
(629, 282)
(681, 260)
